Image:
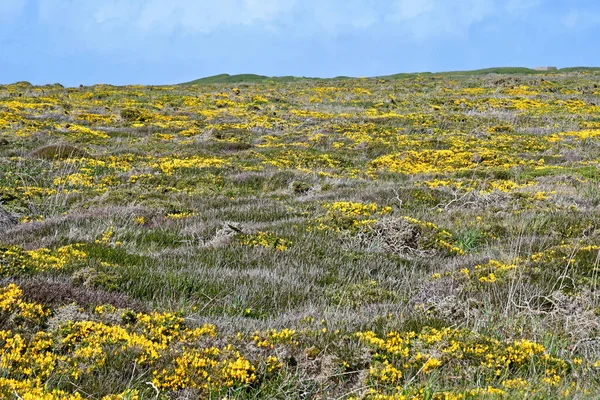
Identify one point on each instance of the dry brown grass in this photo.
(58, 151)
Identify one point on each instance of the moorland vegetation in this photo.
(429, 237)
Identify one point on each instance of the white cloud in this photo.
(429, 18)
(408, 10)
(110, 24)
(576, 19)
(207, 16)
(420, 18)
(337, 16)
(521, 6)
(10, 8)
(143, 15)
(570, 19)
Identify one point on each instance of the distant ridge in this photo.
(253, 78)
(249, 78)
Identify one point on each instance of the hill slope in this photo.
(254, 78)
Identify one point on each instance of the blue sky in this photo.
(169, 41)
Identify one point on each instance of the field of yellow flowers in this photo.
(427, 237)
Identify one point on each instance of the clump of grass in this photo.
(407, 236)
(299, 187)
(7, 220)
(468, 240)
(58, 151)
(134, 115)
(61, 291)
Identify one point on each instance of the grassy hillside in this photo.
(580, 69)
(519, 71)
(245, 78)
(226, 78)
(252, 78)
(431, 237)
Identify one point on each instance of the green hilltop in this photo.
(253, 78)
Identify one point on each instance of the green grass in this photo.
(253, 78)
(240, 78)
